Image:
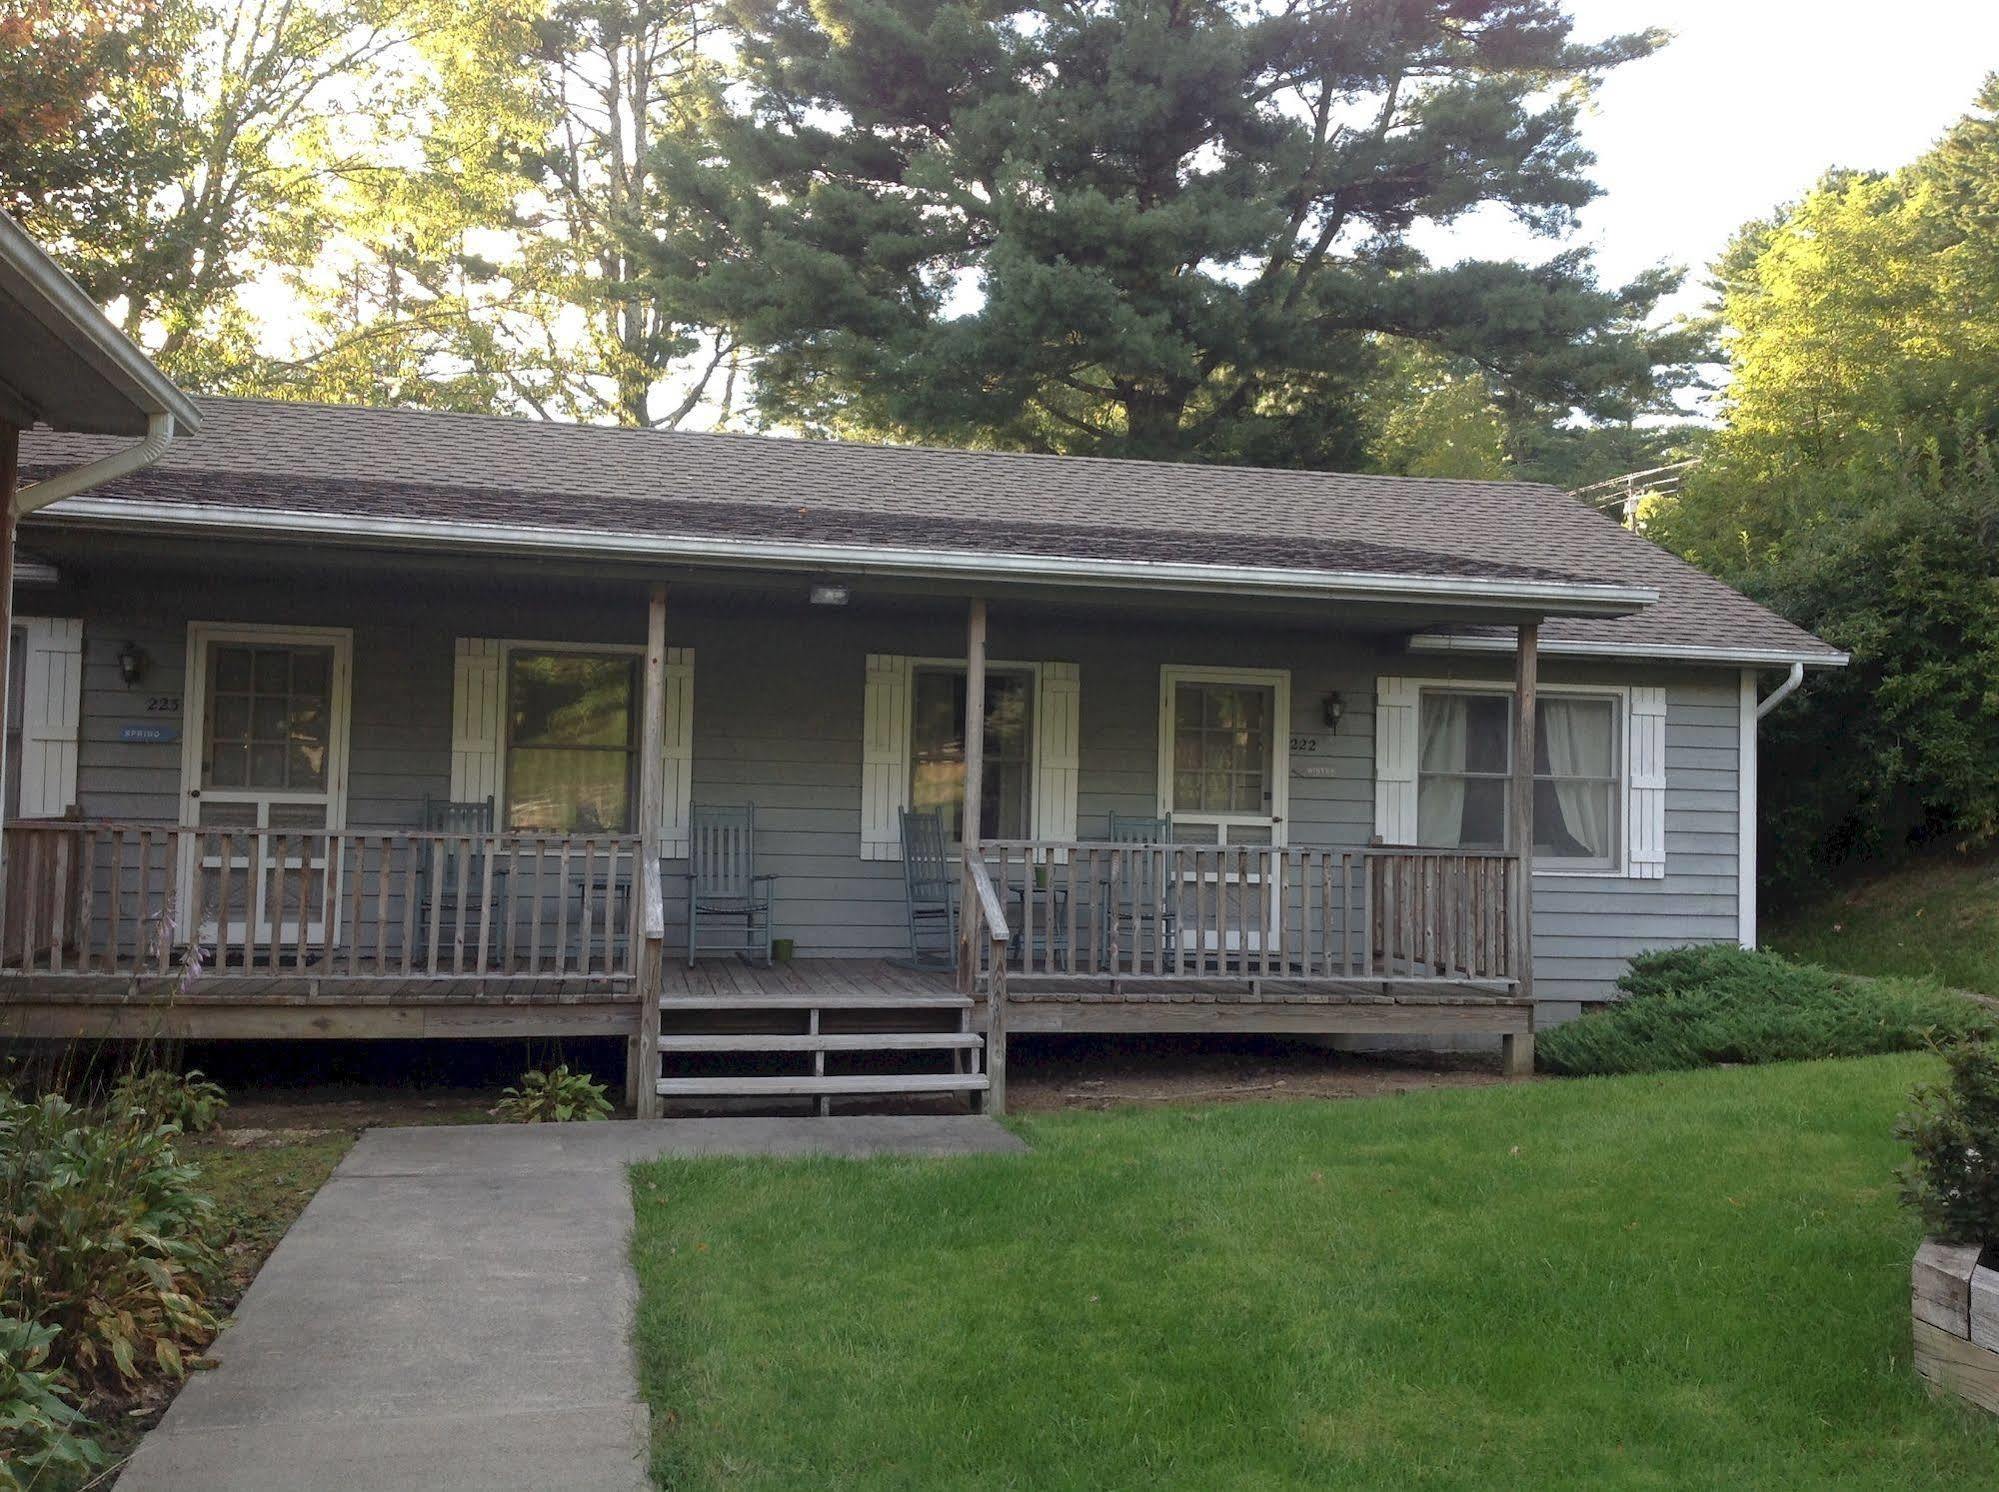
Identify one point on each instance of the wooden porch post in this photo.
(642, 1064)
(1517, 1052)
(969, 951)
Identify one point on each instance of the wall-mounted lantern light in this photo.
(1334, 707)
(132, 662)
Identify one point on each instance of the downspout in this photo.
(38, 495)
(1782, 692)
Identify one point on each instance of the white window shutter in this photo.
(1057, 731)
(52, 671)
(1645, 784)
(677, 754)
(884, 756)
(475, 720)
(1395, 703)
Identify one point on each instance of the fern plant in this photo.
(553, 1096)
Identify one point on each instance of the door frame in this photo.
(194, 734)
(1278, 681)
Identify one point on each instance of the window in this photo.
(270, 717)
(1222, 757)
(1466, 762)
(572, 741)
(937, 749)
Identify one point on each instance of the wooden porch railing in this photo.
(1082, 911)
(96, 898)
(982, 962)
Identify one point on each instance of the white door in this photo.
(266, 748)
(1224, 771)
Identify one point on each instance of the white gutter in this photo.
(38, 495)
(1433, 642)
(1782, 692)
(1569, 597)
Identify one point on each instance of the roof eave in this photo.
(61, 304)
(1723, 655)
(1525, 595)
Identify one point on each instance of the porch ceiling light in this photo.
(830, 593)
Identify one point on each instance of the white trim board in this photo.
(1745, 812)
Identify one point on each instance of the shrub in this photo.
(190, 1102)
(1690, 1007)
(108, 1239)
(42, 1436)
(553, 1096)
(1953, 1129)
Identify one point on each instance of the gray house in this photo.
(352, 722)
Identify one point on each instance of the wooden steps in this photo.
(733, 1034)
(795, 1087)
(847, 1041)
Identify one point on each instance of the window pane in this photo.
(232, 668)
(1573, 820)
(571, 699)
(568, 791)
(1576, 738)
(1222, 748)
(276, 702)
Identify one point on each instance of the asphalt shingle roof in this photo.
(326, 459)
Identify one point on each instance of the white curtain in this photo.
(1440, 801)
(1577, 734)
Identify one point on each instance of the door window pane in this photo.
(937, 750)
(270, 717)
(572, 741)
(1222, 748)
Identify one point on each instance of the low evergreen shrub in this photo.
(1952, 1128)
(1693, 1007)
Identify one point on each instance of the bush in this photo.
(1691, 1007)
(1953, 1128)
(108, 1239)
(191, 1102)
(553, 1096)
(42, 1435)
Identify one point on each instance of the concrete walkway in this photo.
(454, 1309)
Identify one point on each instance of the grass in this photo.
(1938, 917)
(1687, 1279)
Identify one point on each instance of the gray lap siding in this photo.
(778, 714)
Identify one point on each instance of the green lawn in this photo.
(1939, 917)
(1694, 1279)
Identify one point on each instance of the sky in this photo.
(1748, 105)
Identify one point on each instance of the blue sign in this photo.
(148, 730)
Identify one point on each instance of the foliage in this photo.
(1953, 1130)
(552, 1096)
(1681, 1280)
(107, 1239)
(1853, 490)
(1129, 228)
(1690, 1007)
(159, 1095)
(42, 1435)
